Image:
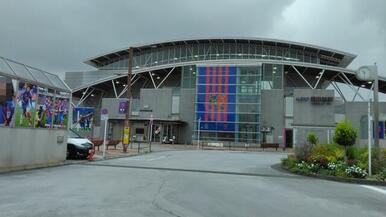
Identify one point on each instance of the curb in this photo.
(281, 168)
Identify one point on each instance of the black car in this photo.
(78, 147)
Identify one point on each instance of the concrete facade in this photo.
(187, 114)
(272, 113)
(29, 148)
(312, 116)
(156, 102)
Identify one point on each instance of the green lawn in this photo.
(24, 122)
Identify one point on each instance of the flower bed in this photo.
(330, 160)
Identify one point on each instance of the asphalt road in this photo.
(183, 183)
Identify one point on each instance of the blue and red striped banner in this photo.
(216, 97)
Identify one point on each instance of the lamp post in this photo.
(376, 108)
(151, 131)
(369, 132)
(198, 132)
(127, 122)
(370, 73)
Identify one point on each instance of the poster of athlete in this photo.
(83, 118)
(45, 108)
(25, 105)
(61, 105)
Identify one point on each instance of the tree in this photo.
(345, 134)
(312, 138)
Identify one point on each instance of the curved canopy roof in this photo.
(346, 58)
(31, 74)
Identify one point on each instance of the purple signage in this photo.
(122, 107)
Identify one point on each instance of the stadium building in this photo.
(228, 91)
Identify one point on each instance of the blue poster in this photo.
(83, 118)
(381, 130)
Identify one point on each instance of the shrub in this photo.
(345, 134)
(337, 169)
(358, 156)
(378, 162)
(312, 138)
(303, 152)
(381, 176)
(328, 152)
(305, 168)
(355, 171)
(289, 162)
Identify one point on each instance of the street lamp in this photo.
(370, 74)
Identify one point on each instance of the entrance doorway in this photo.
(288, 138)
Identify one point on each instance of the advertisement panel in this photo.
(8, 88)
(61, 106)
(25, 105)
(83, 118)
(45, 108)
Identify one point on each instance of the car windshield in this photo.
(73, 134)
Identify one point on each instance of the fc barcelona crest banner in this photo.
(216, 97)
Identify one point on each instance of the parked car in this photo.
(78, 147)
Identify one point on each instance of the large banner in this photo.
(61, 110)
(45, 108)
(8, 88)
(216, 97)
(25, 105)
(83, 118)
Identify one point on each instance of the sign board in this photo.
(122, 107)
(104, 114)
(158, 130)
(316, 100)
(126, 135)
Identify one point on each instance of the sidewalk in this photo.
(144, 148)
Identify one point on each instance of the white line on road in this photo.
(145, 159)
(379, 190)
(157, 158)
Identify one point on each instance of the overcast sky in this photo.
(57, 35)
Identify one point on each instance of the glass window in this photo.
(248, 117)
(272, 76)
(4, 68)
(175, 104)
(21, 70)
(40, 76)
(56, 80)
(248, 108)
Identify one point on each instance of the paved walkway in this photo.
(156, 147)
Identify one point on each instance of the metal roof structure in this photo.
(344, 57)
(31, 74)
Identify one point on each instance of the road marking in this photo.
(379, 190)
(145, 159)
(157, 158)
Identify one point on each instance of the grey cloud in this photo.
(58, 35)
